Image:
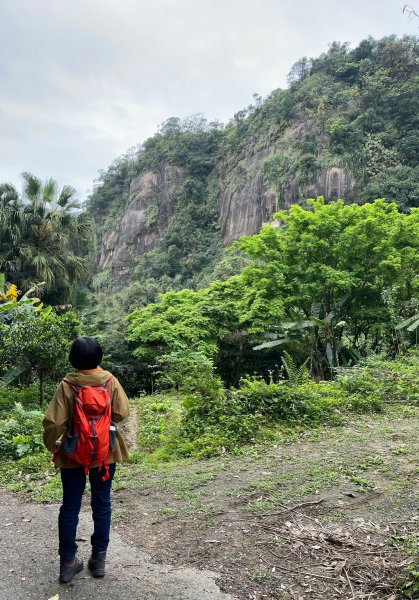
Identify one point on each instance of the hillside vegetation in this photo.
(351, 109)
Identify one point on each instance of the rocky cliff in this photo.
(146, 217)
(250, 202)
(246, 202)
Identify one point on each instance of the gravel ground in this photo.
(29, 563)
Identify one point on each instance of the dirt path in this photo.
(28, 563)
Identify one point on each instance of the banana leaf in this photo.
(407, 322)
(11, 375)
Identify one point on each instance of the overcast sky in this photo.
(81, 81)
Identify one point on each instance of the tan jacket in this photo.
(60, 412)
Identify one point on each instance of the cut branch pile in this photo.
(362, 560)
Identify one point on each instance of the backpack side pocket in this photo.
(70, 443)
(112, 437)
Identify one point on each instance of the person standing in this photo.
(63, 433)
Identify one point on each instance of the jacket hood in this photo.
(93, 377)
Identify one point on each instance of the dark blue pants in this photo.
(74, 483)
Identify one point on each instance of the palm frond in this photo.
(67, 193)
(32, 187)
(41, 235)
(8, 193)
(49, 190)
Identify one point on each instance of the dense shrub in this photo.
(387, 381)
(27, 396)
(21, 433)
(308, 402)
(186, 425)
(200, 425)
(213, 425)
(158, 416)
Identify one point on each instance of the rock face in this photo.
(245, 203)
(153, 198)
(249, 202)
(332, 183)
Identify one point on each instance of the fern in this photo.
(296, 375)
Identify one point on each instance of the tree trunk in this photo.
(41, 388)
(335, 352)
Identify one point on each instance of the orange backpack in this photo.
(91, 437)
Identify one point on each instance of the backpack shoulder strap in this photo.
(76, 388)
(105, 385)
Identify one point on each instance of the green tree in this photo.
(218, 321)
(41, 236)
(339, 265)
(39, 344)
(175, 322)
(399, 184)
(332, 283)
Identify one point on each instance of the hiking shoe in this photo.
(97, 565)
(68, 570)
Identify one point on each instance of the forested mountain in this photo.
(292, 346)
(346, 127)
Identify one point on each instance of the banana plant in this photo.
(411, 325)
(10, 307)
(330, 328)
(287, 333)
(322, 332)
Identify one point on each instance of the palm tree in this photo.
(43, 238)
